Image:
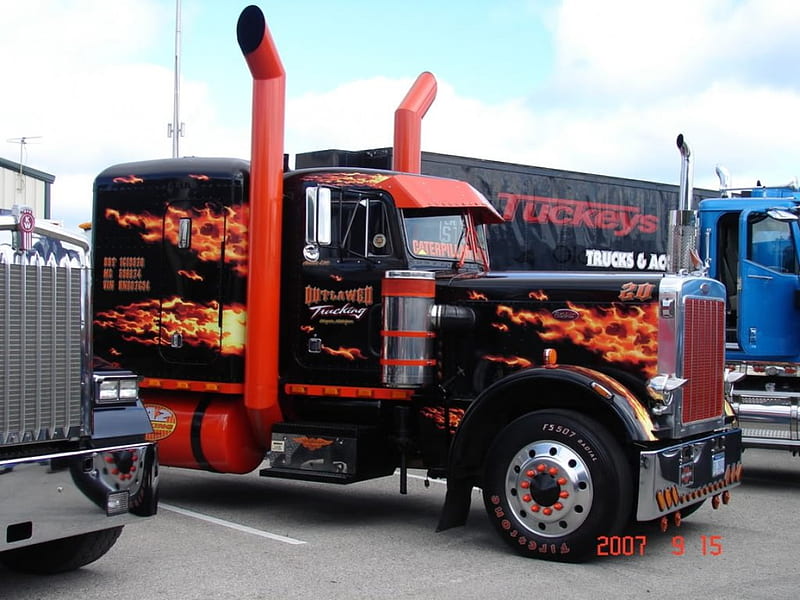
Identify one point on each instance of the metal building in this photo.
(24, 186)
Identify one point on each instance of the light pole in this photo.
(175, 129)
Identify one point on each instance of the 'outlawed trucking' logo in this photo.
(349, 310)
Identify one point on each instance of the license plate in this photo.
(718, 465)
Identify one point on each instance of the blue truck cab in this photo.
(749, 239)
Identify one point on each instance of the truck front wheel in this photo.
(61, 555)
(555, 483)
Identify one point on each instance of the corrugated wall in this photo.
(26, 189)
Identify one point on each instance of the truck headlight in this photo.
(114, 388)
(129, 389)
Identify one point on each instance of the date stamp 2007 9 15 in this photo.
(635, 545)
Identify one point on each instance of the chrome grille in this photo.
(41, 354)
(703, 359)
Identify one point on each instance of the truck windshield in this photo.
(445, 236)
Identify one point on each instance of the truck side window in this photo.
(771, 244)
(379, 241)
(364, 228)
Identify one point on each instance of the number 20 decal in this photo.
(636, 291)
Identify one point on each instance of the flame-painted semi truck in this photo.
(74, 463)
(569, 221)
(337, 325)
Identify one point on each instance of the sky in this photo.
(582, 85)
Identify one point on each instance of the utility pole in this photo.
(175, 129)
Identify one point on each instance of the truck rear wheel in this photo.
(555, 482)
(61, 555)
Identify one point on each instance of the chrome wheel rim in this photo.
(549, 488)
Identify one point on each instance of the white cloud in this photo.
(72, 78)
(627, 78)
(355, 115)
(630, 77)
(631, 49)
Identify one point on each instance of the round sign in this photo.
(27, 222)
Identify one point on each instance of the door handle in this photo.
(767, 277)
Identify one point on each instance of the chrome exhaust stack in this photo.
(682, 242)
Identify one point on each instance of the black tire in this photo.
(556, 481)
(61, 555)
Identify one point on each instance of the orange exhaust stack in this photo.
(407, 154)
(266, 207)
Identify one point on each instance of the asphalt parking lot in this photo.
(243, 537)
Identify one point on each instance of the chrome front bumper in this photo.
(58, 495)
(674, 478)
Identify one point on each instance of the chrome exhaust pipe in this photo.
(686, 182)
(682, 243)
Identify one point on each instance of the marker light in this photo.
(117, 503)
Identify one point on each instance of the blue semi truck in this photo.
(749, 239)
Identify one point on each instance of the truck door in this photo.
(768, 316)
(190, 317)
(341, 286)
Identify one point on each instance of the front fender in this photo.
(124, 421)
(570, 387)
